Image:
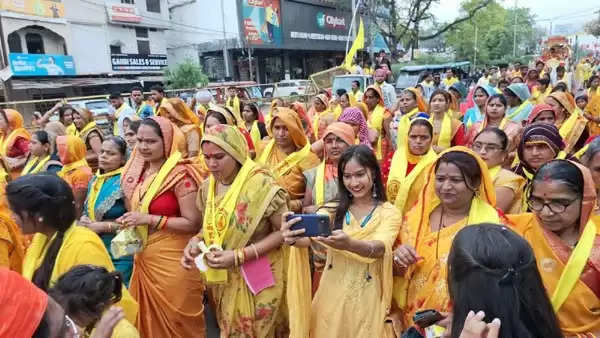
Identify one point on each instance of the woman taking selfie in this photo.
(458, 191)
(42, 156)
(242, 207)
(563, 233)
(105, 201)
(354, 294)
(491, 144)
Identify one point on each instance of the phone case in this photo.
(315, 224)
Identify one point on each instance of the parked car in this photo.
(287, 88)
(345, 82)
(101, 108)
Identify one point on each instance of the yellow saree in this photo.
(574, 126)
(503, 178)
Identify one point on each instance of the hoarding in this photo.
(138, 61)
(261, 20)
(47, 8)
(41, 64)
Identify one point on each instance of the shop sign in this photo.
(41, 64)
(123, 13)
(46, 8)
(138, 61)
(330, 21)
(261, 21)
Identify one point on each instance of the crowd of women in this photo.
(489, 225)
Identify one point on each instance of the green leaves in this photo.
(186, 74)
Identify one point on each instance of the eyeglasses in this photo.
(491, 147)
(556, 206)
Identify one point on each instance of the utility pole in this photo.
(515, 33)
(225, 53)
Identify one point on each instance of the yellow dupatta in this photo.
(317, 117)
(115, 124)
(71, 130)
(445, 136)
(290, 161)
(572, 128)
(375, 122)
(94, 190)
(320, 184)
(404, 125)
(517, 111)
(71, 151)
(255, 133)
(88, 127)
(34, 165)
(234, 105)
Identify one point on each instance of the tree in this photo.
(593, 27)
(187, 74)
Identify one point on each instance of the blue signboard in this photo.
(41, 64)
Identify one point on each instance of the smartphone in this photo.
(426, 318)
(314, 224)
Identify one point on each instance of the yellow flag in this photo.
(359, 43)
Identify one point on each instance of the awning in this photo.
(53, 83)
(378, 44)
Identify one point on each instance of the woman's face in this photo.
(150, 144)
(438, 104)
(344, 102)
(357, 179)
(581, 103)
(68, 117)
(211, 121)
(450, 186)
(220, 164)
(407, 102)
(558, 194)
(110, 157)
(319, 105)
(495, 109)
(594, 166)
(419, 140)
(37, 148)
(479, 97)
(556, 105)
(130, 138)
(78, 121)
(546, 117)
(489, 146)
(537, 154)
(334, 147)
(281, 134)
(248, 114)
(371, 99)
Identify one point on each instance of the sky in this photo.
(558, 12)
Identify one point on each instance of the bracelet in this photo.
(110, 227)
(235, 258)
(162, 223)
(240, 254)
(255, 251)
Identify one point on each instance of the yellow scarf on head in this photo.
(404, 126)
(217, 218)
(398, 173)
(94, 190)
(575, 266)
(445, 138)
(290, 161)
(87, 128)
(71, 166)
(255, 133)
(34, 165)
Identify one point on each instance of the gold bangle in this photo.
(255, 251)
(235, 258)
(110, 227)
(241, 256)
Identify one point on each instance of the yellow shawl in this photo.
(34, 165)
(94, 190)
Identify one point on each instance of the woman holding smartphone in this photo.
(355, 290)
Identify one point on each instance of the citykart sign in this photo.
(330, 21)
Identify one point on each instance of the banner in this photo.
(262, 22)
(47, 8)
(41, 64)
(138, 61)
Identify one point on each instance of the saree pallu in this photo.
(507, 179)
(572, 129)
(593, 109)
(375, 122)
(170, 297)
(12, 243)
(445, 136)
(580, 313)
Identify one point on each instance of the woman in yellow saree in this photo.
(42, 156)
(447, 130)
(373, 98)
(12, 243)
(58, 244)
(160, 191)
(14, 144)
(354, 295)
(90, 134)
(242, 208)
(563, 233)
(491, 144)
(323, 115)
(75, 171)
(458, 191)
(184, 118)
(410, 160)
(569, 120)
(288, 155)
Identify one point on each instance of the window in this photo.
(115, 49)
(14, 43)
(141, 32)
(153, 6)
(35, 43)
(143, 47)
(131, 2)
(153, 29)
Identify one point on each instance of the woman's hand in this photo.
(134, 218)
(290, 236)
(220, 259)
(190, 252)
(106, 325)
(84, 221)
(405, 256)
(475, 327)
(337, 240)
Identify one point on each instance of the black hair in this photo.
(357, 82)
(375, 92)
(563, 171)
(502, 81)
(119, 142)
(592, 150)
(135, 125)
(440, 92)
(500, 97)
(49, 198)
(467, 164)
(87, 290)
(115, 96)
(42, 136)
(406, 91)
(43, 328)
(482, 90)
(560, 67)
(158, 88)
(340, 92)
(499, 132)
(216, 115)
(495, 256)
(544, 81)
(137, 88)
(154, 125)
(365, 157)
(253, 107)
(592, 78)
(62, 110)
(560, 86)
(421, 122)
